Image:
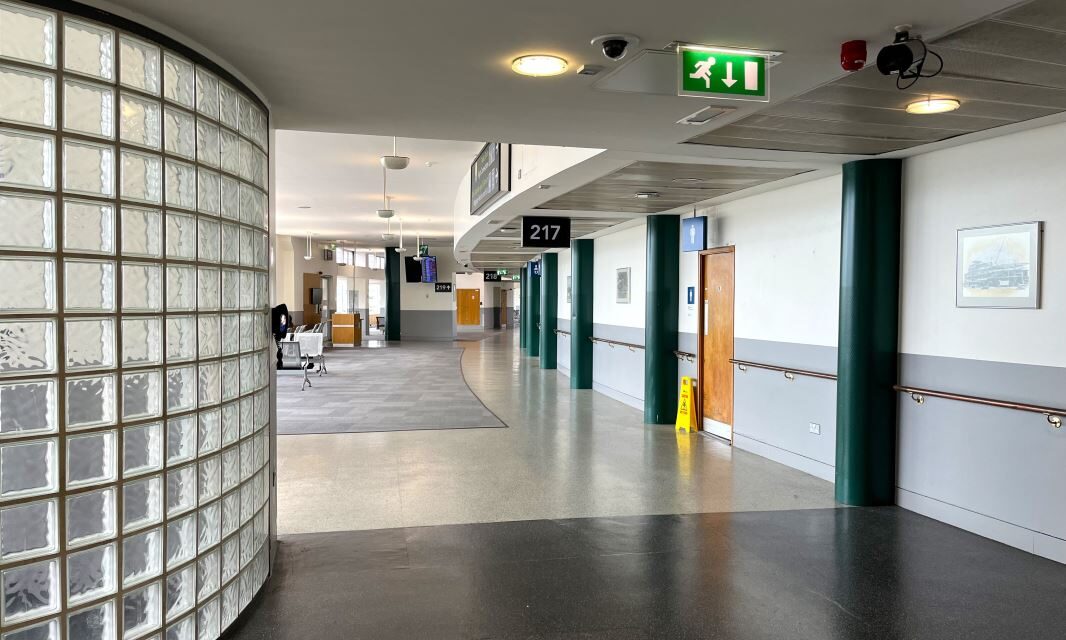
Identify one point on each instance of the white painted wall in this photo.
(1015, 178)
(420, 296)
(626, 248)
(564, 274)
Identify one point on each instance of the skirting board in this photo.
(718, 429)
(624, 398)
(814, 467)
(563, 370)
(1009, 534)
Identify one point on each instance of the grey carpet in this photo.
(407, 387)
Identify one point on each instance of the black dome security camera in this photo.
(615, 45)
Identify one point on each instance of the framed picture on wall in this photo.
(621, 286)
(999, 267)
(569, 288)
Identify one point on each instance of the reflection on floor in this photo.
(567, 454)
(817, 574)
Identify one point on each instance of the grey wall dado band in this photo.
(617, 371)
(428, 325)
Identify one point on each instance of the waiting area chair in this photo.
(304, 350)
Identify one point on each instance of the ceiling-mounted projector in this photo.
(395, 163)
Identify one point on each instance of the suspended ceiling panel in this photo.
(677, 184)
(1006, 69)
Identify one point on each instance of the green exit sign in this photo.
(716, 72)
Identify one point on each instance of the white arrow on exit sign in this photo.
(728, 79)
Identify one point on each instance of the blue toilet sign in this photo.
(692, 295)
(694, 234)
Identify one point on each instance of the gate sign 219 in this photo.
(545, 232)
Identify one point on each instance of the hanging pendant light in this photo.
(418, 247)
(401, 248)
(388, 236)
(385, 211)
(394, 161)
(307, 256)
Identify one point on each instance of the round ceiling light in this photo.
(395, 163)
(539, 65)
(933, 105)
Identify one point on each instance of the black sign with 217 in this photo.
(545, 232)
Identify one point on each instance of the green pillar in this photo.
(867, 350)
(523, 289)
(581, 264)
(534, 313)
(393, 271)
(660, 319)
(549, 310)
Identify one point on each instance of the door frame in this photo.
(699, 328)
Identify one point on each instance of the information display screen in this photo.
(490, 175)
(429, 269)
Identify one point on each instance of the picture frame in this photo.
(622, 285)
(998, 267)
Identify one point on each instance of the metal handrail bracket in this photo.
(1053, 415)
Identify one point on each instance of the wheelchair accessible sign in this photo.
(717, 72)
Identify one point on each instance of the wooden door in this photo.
(716, 372)
(503, 308)
(469, 311)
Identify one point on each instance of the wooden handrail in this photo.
(630, 345)
(685, 355)
(1054, 416)
(789, 372)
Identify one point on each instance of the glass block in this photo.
(210, 486)
(27, 97)
(179, 133)
(93, 623)
(181, 338)
(44, 631)
(30, 591)
(142, 503)
(140, 121)
(29, 222)
(181, 389)
(178, 80)
(142, 232)
(88, 227)
(247, 331)
(206, 93)
(246, 539)
(141, 341)
(207, 297)
(88, 49)
(184, 629)
(142, 611)
(142, 449)
(89, 285)
(247, 290)
(28, 469)
(209, 240)
(181, 592)
(88, 168)
(231, 198)
(181, 236)
(181, 288)
(207, 143)
(142, 557)
(210, 525)
(209, 192)
(139, 66)
(231, 520)
(28, 159)
(181, 541)
(181, 439)
(91, 574)
(29, 286)
(245, 246)
(230, 332)
(141, 287)
(246, 160)
(142, 395)
(210, 336)
(91, 459)
(230, 417)
(230, 468)
(229, 151)
(28, 408)
(89, 108)
(210, 431)
(181, 490)
(247, 423)
(90, 343)
(208, 620)
(90, 517)
(28, 34)
(227, 102)
(28, 530)
(231, 384)
(180, 185)
(142, 177)
(208, 573)
(231, 289)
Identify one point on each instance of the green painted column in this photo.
(393, 269)
(660, 319)
(867, 352)
(534, 313)
(522, 320)
(549, 310)
(581, 265)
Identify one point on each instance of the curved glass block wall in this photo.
(134, 381)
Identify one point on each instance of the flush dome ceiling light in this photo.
(933, 105)
(539, 65)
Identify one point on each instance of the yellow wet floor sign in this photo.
(686, 415)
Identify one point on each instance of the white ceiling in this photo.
(432, 69)
(339, 177)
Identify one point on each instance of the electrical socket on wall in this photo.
(815, 428)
